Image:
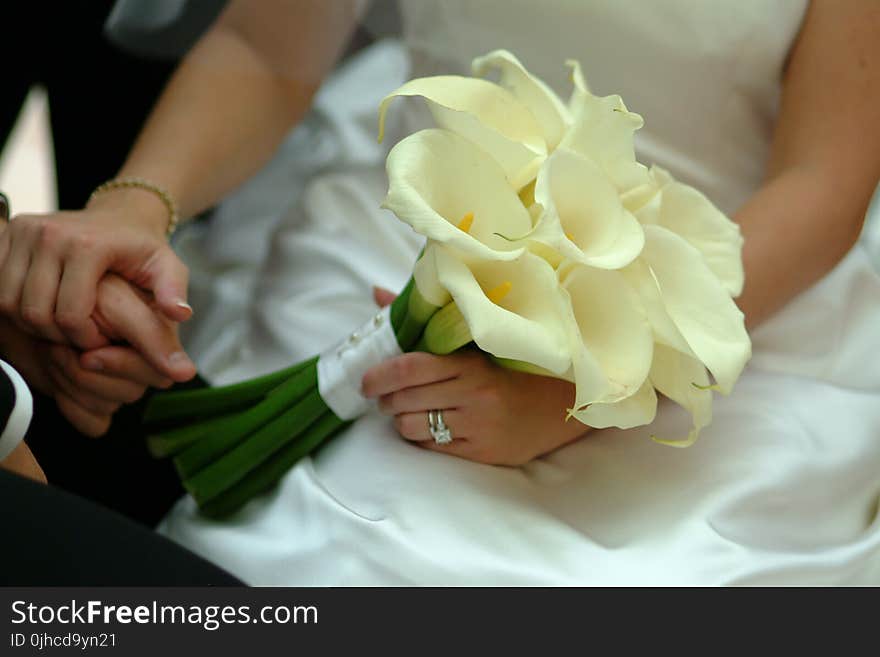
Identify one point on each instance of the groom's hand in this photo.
(90, 387)
(51, 267)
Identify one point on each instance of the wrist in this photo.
(138, 203)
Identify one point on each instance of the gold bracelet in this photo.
(140, 183)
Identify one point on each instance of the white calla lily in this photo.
(603, 129)
(486, 114)
(583, 217)
(685, 381)
(699, 305)
(452, 191)
(690, 215)
(552, 115)
(636, 410)
(515, 309)
(612, 328)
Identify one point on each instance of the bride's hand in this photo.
(496, 416)
(50, 265)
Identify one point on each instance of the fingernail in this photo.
(94, 364)
(184, 305)
(179, 359)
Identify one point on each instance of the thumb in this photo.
(383, 296)
(168, 278)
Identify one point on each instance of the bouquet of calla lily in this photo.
(549, 247)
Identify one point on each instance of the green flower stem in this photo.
(271, 471)
(209, 401)
(446, 332)
(419, 308)
(169, 443)
(256, 449)
(410, 311)
(400, 305)
(213, 441)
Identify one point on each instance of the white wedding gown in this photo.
(783, 487)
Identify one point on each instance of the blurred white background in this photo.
(27, 172)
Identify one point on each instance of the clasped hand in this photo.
(89, 312)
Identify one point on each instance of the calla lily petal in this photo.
(689, 214)
(612, 326)
(579, 84)
(437, 177)
(636, 410)
(425, 277)
(684, 380)
(644, 202)
(644, 282)
(603, 130)
(486, 114)
(699, 305)
(528, 323)
(552, 115)
(583, 217)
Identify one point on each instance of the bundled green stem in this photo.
(264, 477)
(233, 442)
(232, 466)
(206, 401)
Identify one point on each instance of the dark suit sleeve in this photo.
(52, 538)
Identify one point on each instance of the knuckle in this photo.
(402, 368)
(25, 224)
(420, 360)
(36, 317)
(49, 234)
(68, 319)
(386, 403)
(489, 395)
(82, 242)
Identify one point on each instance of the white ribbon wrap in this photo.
(341, 368)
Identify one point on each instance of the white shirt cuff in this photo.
(20, 417)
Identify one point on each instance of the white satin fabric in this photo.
(783, 487)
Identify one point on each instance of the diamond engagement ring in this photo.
(439, 431)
